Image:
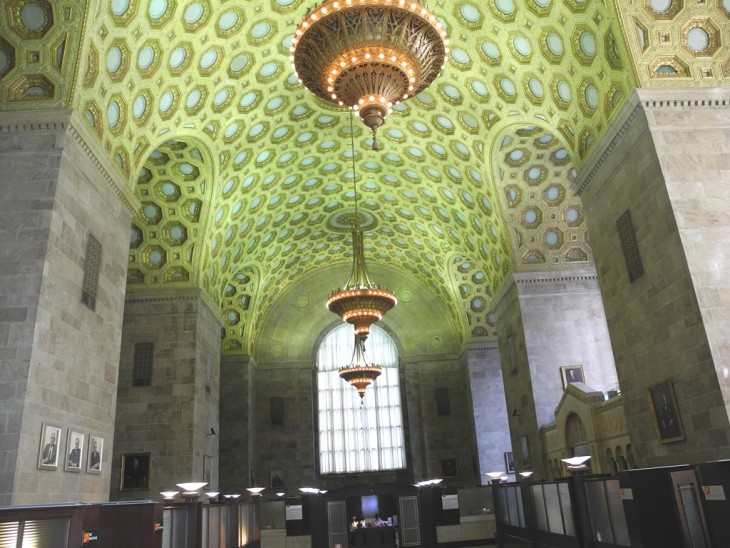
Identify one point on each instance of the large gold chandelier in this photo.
(368, 54)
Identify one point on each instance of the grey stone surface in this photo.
(53, 347)
(172, 418)
(670, 324)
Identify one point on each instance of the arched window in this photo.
(359, 435)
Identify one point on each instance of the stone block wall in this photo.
(491, 420)
(287, 447)
(656, 322)
(58, 358)
(235, 424)
(560, 318)
(171, 419)
(436, 440)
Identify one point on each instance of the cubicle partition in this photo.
(579, 512)
(715, 480)
(112, 525)
(664, 507)
(141, 524)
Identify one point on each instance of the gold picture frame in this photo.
(95, 456)
(74, 456)
(667, 420)
(571, 374)
(50, 447)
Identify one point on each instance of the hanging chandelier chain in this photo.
(354, 173)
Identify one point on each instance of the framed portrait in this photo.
(49, 447)
(667, 420)
(449, 468)
(135, 471)
(525, 451)
(207, 470)
(509, 462)
(74, 451)
(94, 459)
(276, 479)
(571, 374)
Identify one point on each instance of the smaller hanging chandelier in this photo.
(361, 303)
(359, 373)
(368, 55)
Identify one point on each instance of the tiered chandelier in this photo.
(368, 54)
(361, 302)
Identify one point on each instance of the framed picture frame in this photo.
(525, 451)
(667, 420)
(48, 449)
(571, 373)
(95, 457)
(207, 470)
(74, 451)
(509, 462)
(135, 471)
(449, 468)
(276, 479)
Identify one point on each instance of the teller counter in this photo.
(373, 537)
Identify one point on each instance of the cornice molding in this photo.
(644, 101)
(623, 121)
(191, 295)
(479, 346)
(68, 122)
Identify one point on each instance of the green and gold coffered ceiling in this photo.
(245, 178)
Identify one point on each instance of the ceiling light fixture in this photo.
(368, 55)
(361, 302)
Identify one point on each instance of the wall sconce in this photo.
(494, 477)
(526, 475)
(190, 490)
(309, 490)
(168, 496)
(280, 495)
(232, 497)
(428, 483)
(212, 495)
(577, 464)
(255, 491)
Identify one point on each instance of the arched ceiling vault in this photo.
(246, 179)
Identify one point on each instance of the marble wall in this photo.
(555, 320)
(58, 358)
(489, 408)
(171, 419)
(663, 160)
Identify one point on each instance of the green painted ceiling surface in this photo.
(246, 179)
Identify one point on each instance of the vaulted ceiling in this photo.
(246, 179)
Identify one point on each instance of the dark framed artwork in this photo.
(276, 478)
(509, 462)
(135, 471)
(49, 447)
(74, 451)
(207, 470)
(449, 468)
(667, 420)
(94, 459)
(525, 451)
(571, 374)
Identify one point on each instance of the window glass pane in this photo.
(359, 435)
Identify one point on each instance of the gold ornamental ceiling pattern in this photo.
(245, 178)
